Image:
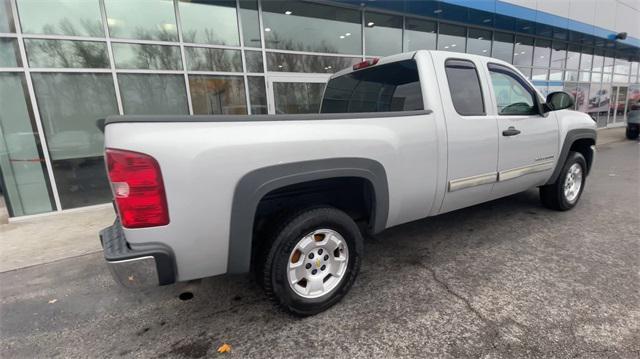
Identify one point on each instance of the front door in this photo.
(295, 93)
(527, 140)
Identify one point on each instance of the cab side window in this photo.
(512, 97)
(464, 86)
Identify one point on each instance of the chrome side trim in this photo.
(466, 182)
(525, 170)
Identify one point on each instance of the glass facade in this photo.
(64, 64)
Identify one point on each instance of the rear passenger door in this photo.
(472, 141)
(528, 138)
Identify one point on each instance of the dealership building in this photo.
(65, 64)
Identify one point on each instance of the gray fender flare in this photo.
(253, 186)
(571, 137)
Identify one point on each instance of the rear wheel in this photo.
(313, 260)
(565, 192)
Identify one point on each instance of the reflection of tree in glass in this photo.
(208, 36)
(204, 59)
(155, 57)
(275, 40)
(64, 53)
(308, 63)
(153, 94)
(66, 27)
(218, 95)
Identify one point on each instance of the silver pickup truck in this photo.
(289, 197)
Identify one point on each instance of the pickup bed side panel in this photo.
(203, 162)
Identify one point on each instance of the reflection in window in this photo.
(302, 26)
(585, 62)
(254, 61)
(419, 35)
(539, 74)
(502, 47)
(608, 64)
(558, 55)
(523, 52)
(66, 53)
(22, 168)
(511, 96)
(526, 71)
(211, 22)
(144, 94)
(9, 53)
(383, 34)
(61, 17)
(598, 62)
(207, 59)
(389, 87)
(142, 19)
(573, 58)
(464, 87)
(555, 75)
(297, 97)
(257, 95)
(70, 104)
(308, 63)
(250, 23)
(6, 22)
(217, 95)
(584, 76)
(621, 66)
(452, 38)
(148, 57)
(542, 53)
(479, 42)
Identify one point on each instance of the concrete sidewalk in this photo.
(54, 237)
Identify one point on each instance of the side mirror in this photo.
(559, 101)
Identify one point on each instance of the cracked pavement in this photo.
(502, 279)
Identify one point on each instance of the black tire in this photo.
(632, 132)
(552, 196)
(282, 244)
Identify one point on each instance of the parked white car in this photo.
(289, 196)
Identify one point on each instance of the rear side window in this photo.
(384, 88)
(464, 86)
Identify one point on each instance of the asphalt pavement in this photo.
(507, 278)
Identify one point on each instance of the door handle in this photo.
(511, 131)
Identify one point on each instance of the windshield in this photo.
(384, 88)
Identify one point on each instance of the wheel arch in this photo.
(579, 140)
(255, 185)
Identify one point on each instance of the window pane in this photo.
(308, 63)
(206, 59)
(144, 94)
(8, 53)
(61, 17)
(621, 78)
(621, 67)
(525, 71)
(573, 58)
(479, 42)
(6, 21)
(211, 22)
(555, 75)
(585, 62)
(539, 74)
(598, 62)
(383, 34)
(571, 76)
(218, 95)
(297, 97)
(25, 184)
(65, 53)
(257, 95)
(512, 98)
(584, 76)
(70, 105)
(523, 52)
(310, 27)
(608, 64)
(250, 23)
(542, 53)
(558, 55)
(452, 38)
(419, 35)
(502, 47)
(596, 76)
(254, 61)
(150, 57)
(464, 86)
(389, 87)
(142, 19)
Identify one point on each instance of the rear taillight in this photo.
(138, 189)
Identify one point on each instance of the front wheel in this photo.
(313, 260)
(565, 192)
